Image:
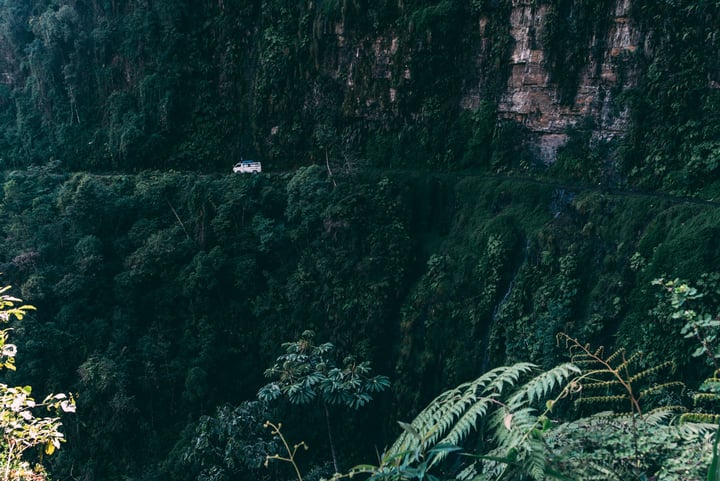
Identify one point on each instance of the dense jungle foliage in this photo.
(408, 231)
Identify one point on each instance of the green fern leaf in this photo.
(601, 399)
(540, 386)
(700, 418)
(660, 387)
(458, 410)
(619, 353)
(610, 383)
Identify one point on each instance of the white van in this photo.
(247, 167)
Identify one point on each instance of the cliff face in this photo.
(389, 83)
(532, 97)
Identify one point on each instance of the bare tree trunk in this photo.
(327, 164)
(332, 443)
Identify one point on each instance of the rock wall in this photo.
(383, 75)
(531, 95)
(532, 98)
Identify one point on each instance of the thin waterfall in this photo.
(498, 308)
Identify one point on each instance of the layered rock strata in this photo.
(532, 98)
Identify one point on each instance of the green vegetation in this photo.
(400, 216)
(28, 431)
(124, 87)
(672, 142)
(308, 372)
(513, 422)
(433, 278)
(230, 443)
(574, 28)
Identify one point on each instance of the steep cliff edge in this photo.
(532, 98)
(459, 230)
(634, 82)
(443, 84)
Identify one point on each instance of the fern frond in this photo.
(467, 474)
(660, 387)
(690, 431)
(601, 384)
(510, 375)
(601, 399)
(582, 358)
(661, 415)
(467, 402)
(521, 419)
(512, 426)
(536, 460)
(705, 396)
(627, 362)
(510, 463)
(619, 353)
(614, 417)
(507, 425)
(466, 423)
(517, 429)
(544, 383)
(651, 370)
(699, 418)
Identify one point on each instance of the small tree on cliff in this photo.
(307, 373)
(23, 428)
